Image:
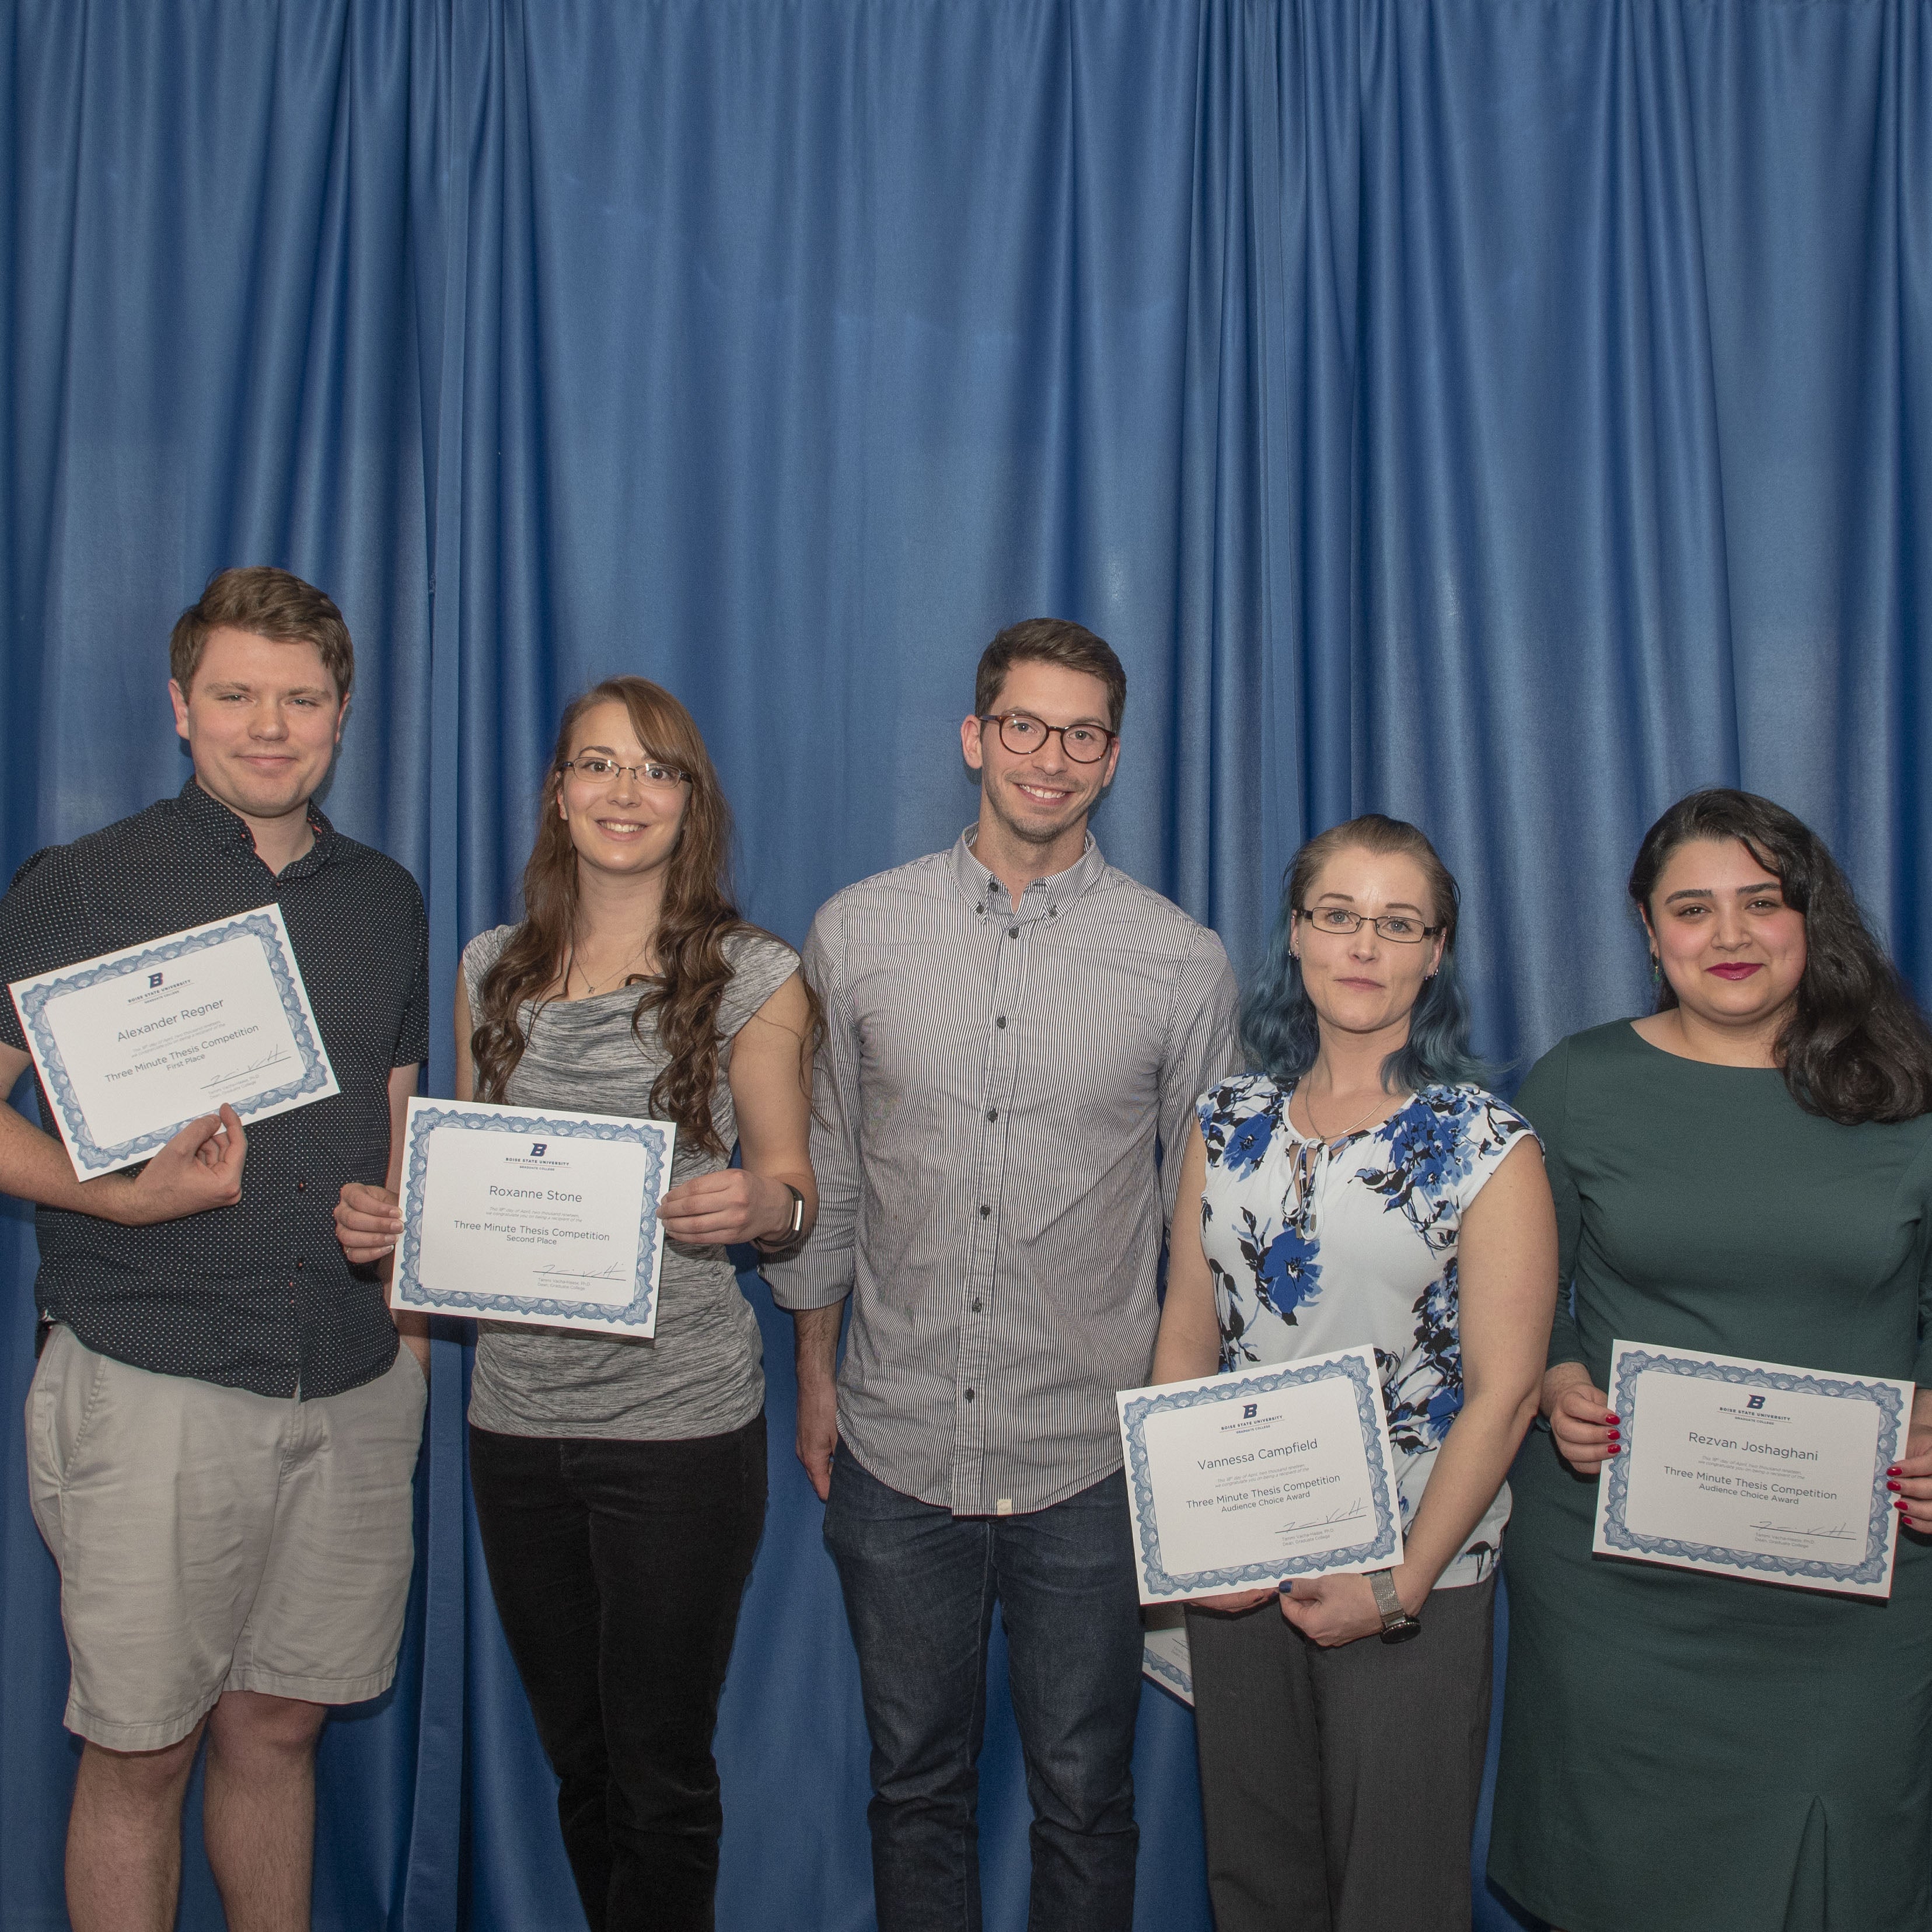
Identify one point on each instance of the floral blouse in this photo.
(1368, 1255)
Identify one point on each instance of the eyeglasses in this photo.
(1397, 926)
(1085, 744)
(653, 772)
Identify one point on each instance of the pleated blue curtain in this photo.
(1506, 413)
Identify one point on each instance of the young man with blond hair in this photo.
(221, 1430)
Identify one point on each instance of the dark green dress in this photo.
(1683, 1751)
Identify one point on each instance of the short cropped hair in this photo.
(1053, 640)
(267, 603)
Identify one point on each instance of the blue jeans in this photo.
(920, 1585)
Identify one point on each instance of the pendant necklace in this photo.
(1308, 1155)
(590, 986)
(1308, 1108)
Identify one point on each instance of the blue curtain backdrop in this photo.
(1505, 413)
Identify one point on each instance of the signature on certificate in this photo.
(551, 1272)
(1334, 1516)
(228, 1079)
(1837, 1532)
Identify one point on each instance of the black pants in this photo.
(1339, 1787)
(618, 1569)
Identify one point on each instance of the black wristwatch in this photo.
(1398, 1626)
(789, 1234)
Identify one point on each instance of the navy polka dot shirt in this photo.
(257, 1296)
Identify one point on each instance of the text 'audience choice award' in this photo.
(1753, 1469)
(529, 1215)
(132, 1046)
(1246, 1480)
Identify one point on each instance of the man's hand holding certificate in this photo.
(532, 1215)
(1753, 1469)
(1240, 1481)
(133, 1046)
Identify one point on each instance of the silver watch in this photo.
(1398, 1626)
(786, 1235)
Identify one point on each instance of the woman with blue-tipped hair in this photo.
(1361, 1186)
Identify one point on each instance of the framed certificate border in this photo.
(33, 997)
(425, 1116)
(1350, 1367)
(1165, 1658)
(1634, 1361)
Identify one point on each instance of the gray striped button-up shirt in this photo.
(992, 1085)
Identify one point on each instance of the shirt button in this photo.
(1001, 1021)
(969, 1395)
(984, 1211)
(992, 1113)
(1012, 932)
(977, 1304)
(301, 1187)
(301, 1264)
(981, 910)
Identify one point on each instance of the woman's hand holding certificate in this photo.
(1238, 1481)
(531, 1215)
(1753, 1469)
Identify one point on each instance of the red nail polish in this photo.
(1893, 1471)
(1610, 1419)
(1892, 1487)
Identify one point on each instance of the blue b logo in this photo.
(1756, 1401)
(1249, 1410)
(154, 978)
(538, 1148)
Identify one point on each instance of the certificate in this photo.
(529, 1215)
(1240, 1481)
(1165, 1659)
(1753, 1469)
(132, 1046)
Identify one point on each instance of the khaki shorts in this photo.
(211, 1539)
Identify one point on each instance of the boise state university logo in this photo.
(1248, 1409)
(1755, 1401)
(154, 979)
(538, 1149)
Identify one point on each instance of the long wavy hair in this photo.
(696, 917)
(1856, 1047)
(1279, 1027)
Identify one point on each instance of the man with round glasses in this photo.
(1014, 1030)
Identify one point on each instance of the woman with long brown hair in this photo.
(1745, 1172)
(620, 1483)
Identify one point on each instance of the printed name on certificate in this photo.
(1753, 1469)
(133, 1045)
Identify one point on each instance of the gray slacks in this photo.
(1338, 1787)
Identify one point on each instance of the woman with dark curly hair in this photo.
(620, 1483)
(1362, 1187)
(1746, 1172)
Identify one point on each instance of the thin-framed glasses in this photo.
(1021, 733)
(653, 772)
(1396, 926)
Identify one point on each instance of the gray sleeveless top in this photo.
(703, 1373)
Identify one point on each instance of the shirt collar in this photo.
(982, 889)
(220, 826)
